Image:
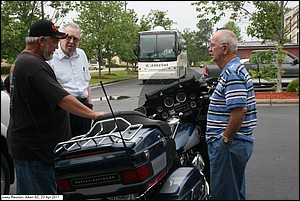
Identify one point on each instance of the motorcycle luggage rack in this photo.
(82, 141)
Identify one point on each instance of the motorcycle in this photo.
(156, 152)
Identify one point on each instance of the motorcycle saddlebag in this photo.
(102, 164)
(185, 183)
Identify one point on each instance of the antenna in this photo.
(111, 110)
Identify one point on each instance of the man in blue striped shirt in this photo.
(231, 120)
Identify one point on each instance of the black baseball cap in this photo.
(45, 28)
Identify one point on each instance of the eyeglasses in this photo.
(214, 45)
(75, 39)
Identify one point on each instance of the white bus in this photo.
(161, 54)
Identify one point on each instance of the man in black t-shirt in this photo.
(39, 112)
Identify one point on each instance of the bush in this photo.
(293, 86)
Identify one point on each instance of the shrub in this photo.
(293, 86)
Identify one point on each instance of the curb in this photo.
(277, 101)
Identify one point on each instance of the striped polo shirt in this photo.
(234, 89)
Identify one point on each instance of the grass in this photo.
(114, 76)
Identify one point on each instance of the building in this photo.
(291, 20)
(245, 48)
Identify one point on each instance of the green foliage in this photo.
(107, 30)
(266, 72)
(235, 28)
(5, 70)
(159, 18)
(155, 18)
(16, 19)
(293, 86)
(269, 64)
(114, 76)
(266, 21)
(197, 42)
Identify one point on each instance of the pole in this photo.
(42, 9)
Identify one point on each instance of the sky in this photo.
(181, 12)
(184, 14)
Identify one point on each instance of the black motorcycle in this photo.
(157, 152)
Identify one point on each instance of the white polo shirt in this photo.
(72, 72)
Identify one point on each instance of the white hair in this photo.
(229, 37)
(33, 39)
(72, 25)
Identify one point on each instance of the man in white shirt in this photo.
(70, 65)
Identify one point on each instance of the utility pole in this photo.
(42, 9)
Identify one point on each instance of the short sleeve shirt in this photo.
(37, 123)
(234, 89)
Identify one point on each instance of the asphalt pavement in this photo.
(258, 101)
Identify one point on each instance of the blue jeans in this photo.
(34, 178)
(227, 168)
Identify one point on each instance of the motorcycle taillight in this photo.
(206, 70)
(63, 185)
(137, 175)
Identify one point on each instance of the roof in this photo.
(247, 44)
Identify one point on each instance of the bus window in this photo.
(160, 56)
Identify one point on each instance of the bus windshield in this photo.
(157, 47)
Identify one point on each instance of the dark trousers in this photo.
(80, 125)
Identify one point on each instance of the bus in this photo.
(161, 55)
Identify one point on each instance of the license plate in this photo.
(122, 197)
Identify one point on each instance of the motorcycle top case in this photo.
(122, 155)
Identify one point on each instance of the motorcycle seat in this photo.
(135, 117)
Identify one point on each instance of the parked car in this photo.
(94, 67)
(7, 167)
(213, 71)
(290, 66)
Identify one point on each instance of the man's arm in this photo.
(72, 105)
(236, 119)
(89, 97)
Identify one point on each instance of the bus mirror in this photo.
(135, 49)
(179, 49)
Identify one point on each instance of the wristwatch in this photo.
(226, 140)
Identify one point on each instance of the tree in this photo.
(156, 18)
(145, 24)
(106, 28)
(197, 42)
(128, 39)
(235, 28)
(267, 21)
(16, 19)
(203, 38)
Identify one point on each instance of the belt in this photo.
(81, 99)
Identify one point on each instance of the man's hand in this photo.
(99, 114)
